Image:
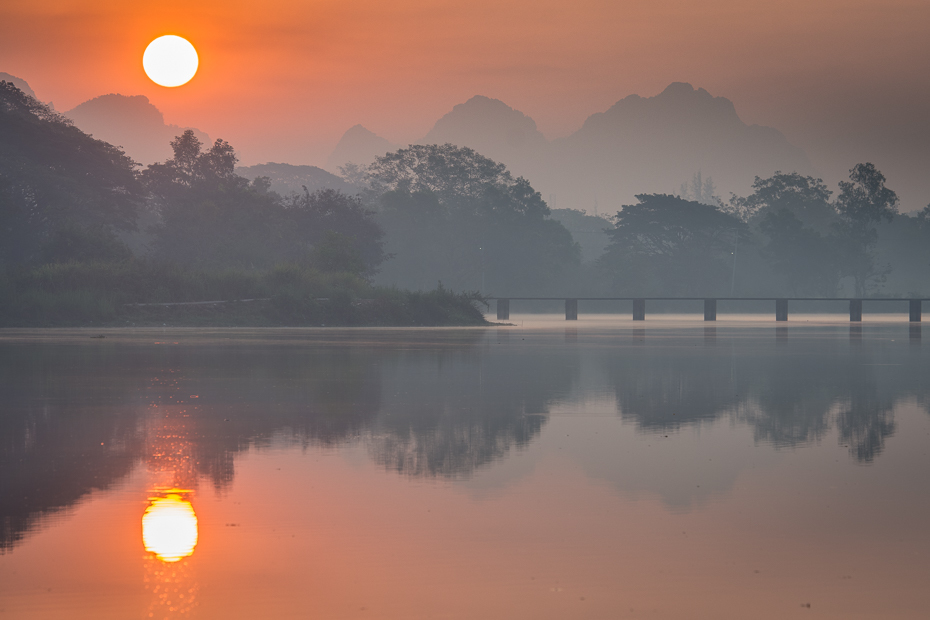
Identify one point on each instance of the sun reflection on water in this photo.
(169, 527)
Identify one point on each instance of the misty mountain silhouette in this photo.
(132, 123)
(647, 145)
(287, 178)
(358, 146)
(494, 129)
(19, 83)
(639, 145)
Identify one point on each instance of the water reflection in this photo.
(169, 533)
(451, 414)
(788, 397)
(80, 416)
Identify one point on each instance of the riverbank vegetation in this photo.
(145, 293)
(86, 239)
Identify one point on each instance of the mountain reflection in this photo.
(79, 417)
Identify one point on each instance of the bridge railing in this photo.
(710, 305)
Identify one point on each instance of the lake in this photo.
(597, 468)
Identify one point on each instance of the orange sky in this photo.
(283, 79)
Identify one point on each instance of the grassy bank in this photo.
(134, 293)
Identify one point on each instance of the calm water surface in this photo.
(598, 469)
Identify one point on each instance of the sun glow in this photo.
(170, 61)
(169, 527)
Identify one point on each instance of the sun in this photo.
(170, 61)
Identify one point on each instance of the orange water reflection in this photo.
(446, 484)
(170, 528)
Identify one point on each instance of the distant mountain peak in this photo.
(131, 122)
(120, 108)
(359, 131)
(487, 110)
(358, 145)
(679, 102)
(640, 144)
(486, 125)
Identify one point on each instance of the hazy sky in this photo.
(283, 79)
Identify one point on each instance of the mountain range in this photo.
(638, 145)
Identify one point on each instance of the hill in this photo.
(132, 123)
(653, 144)
(495, 130)
(358, 146)
(639, 145)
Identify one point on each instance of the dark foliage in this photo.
(337, 231)
(210, 217)
(52, 175)
(451, 214)
(670, 246)
(863, 203)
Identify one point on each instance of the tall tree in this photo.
(862, 203)
(453, 215)
(806, 260)
(210, 216)
(793, 218)
(330, 223)
(667, 245)
(805, 197)
(54, 176)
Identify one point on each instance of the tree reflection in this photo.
(64, 432)
(789, 397)
(79, 417)
(447, 415)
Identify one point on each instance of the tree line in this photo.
(787, 237)
(431, 213)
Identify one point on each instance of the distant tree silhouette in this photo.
(805, 197)
(453, 215)
(667, 245)
(209, 216)
(212, 217)
(807, 261)
(336, 229)
(793, 218)
(701, 190)
(863, 202)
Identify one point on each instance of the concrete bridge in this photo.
(710, 305)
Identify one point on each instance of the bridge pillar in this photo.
(639, 309)
(710, 309)
(855, 310)
(571, 309)
(914, 310)
(781, 309)
(503, 309)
